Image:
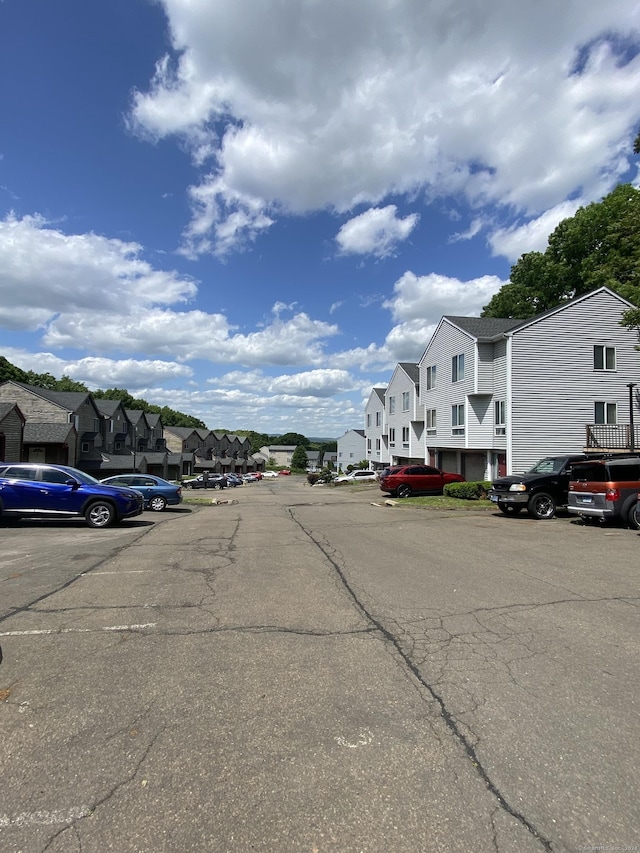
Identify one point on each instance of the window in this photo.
(392, 405)
(405, 401)
(431, 421)
(368, 420)
(368, 445)
(604, 358)
(457, 368)
(378, 418)
(606, 413)
(405, 436)
(499, 418)
(378, 445)
(54, 475)
(84, 447)
(457, 419)
(431, 377)
(392, 437)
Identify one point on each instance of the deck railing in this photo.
(612, 437)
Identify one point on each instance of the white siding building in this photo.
(375, 430)
(404, 416)
(499, 394)
(352, 448)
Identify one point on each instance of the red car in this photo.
(405, 480)
(284, 473)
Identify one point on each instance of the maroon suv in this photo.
(406, 480)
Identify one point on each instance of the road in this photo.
(302, 670)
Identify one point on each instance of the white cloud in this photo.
(426, 298)
(533, 236)
(375, 232)
(92, 293)
(99, 372)
(46, 272)
(334, 105)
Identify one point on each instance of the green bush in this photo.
(468, 491)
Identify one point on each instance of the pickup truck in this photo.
(541, 490)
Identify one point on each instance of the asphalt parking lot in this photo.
(309, 669)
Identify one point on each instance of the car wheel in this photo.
(217, 485)
(541, 506)
(157, 503)
(100, 514)
(634, 516)
(509, 509)
(403, 491)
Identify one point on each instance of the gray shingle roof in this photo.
(486, 328)
(46, 433)
(412, 370)
(70, 400)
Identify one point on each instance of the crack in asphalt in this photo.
(449, 719)
(26, 608)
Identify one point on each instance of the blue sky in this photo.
(251, 211)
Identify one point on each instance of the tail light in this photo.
(612, 495)
(180, 491)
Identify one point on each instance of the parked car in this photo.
(606, 489)
(213, 481)
(234, 480)
(406, 480)
(157, 493)
(541, 490)
(38, 490)
(284, 473)
(269, 474)
(356, 476)
(250, 478)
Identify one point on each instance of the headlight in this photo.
(517, 487)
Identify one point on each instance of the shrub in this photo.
(468, 491)
(312, 478)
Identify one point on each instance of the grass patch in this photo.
(444, 502)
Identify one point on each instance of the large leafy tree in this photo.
(290, 438)
(299, 459)
(599, 245)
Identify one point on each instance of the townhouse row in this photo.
(490, 397)
(103, 438)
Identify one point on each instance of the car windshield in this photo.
(548, 465)
(82, 477)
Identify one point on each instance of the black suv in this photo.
(541, 490)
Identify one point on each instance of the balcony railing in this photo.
(612, 437)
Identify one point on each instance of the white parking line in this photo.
(44, 817)
(77, 630)
(128, 572)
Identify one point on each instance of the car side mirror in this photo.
(73, 483)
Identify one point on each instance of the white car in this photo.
(356, 476)
(269, 474)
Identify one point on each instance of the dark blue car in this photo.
(36, 490)
(157, 493)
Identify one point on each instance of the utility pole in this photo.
(632, 437)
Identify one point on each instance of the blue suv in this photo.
(36, 490)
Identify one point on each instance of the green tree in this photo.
(290, 438)
(599, 245)
(299, 459)
(68, 384)
(9, 371)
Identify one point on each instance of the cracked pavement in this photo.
(303, 671)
